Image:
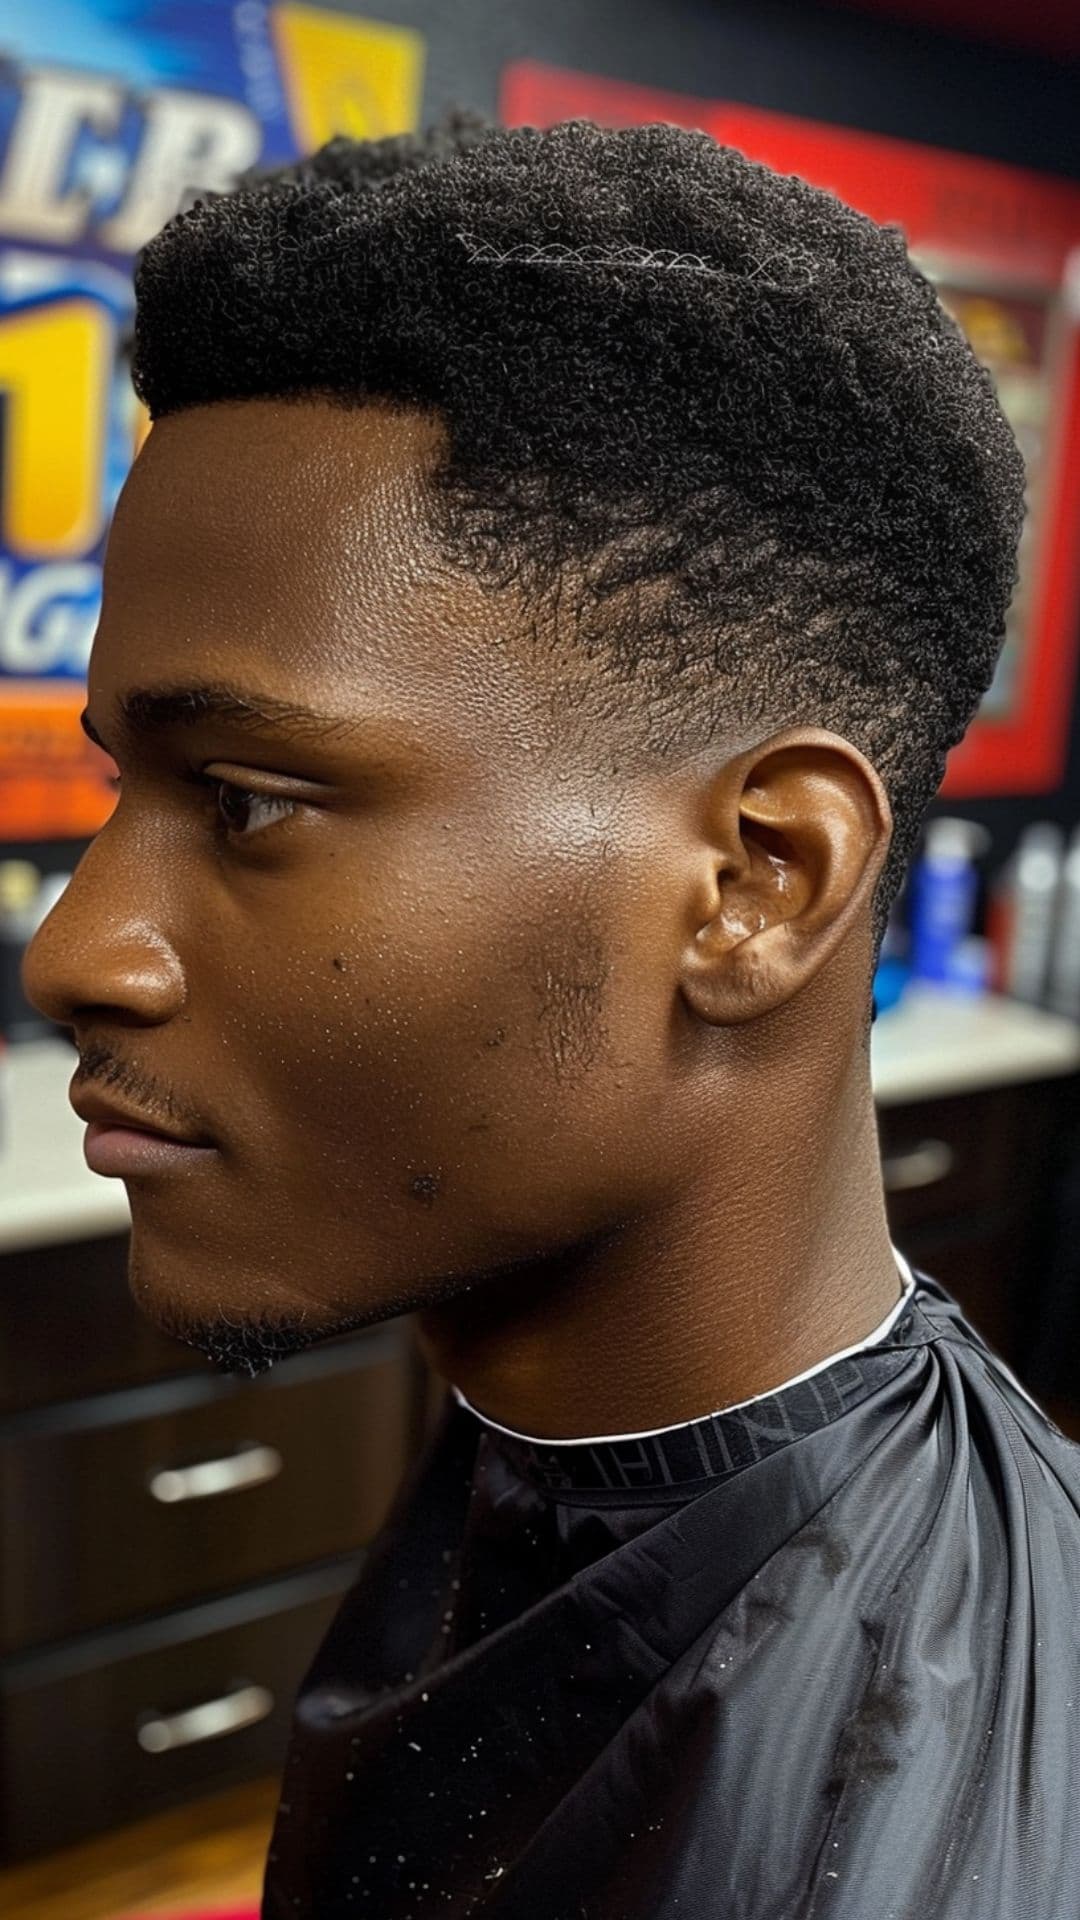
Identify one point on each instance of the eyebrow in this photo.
(145, 712)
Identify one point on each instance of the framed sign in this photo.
(146, 108)
(1002, 246)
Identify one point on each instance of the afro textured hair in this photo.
(720, 406)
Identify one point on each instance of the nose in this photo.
(93, 952)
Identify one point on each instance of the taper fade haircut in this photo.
(711, 409)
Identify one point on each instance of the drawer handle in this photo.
(249, 1468)
(921, 1166)
(159, 1733)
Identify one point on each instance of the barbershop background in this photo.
(173, 1543)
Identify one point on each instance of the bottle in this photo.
(894, 967)
(1064, 987)
(969, 968)
(1035, 875)
(944, 889)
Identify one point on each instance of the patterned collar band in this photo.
(611, 1466)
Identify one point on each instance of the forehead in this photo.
(293, 539)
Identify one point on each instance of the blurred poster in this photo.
(1002, 245)
(150, 104)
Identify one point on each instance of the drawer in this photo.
(955, 1156)
(116, 1517)
(130, 1724)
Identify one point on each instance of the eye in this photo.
(273, 806)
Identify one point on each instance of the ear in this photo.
(795, 834)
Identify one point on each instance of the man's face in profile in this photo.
(413, 981)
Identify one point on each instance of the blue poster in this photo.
(113, 117)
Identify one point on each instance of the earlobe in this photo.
(799, 831)
(739, 967)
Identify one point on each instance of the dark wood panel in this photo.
(73, 1762)
(950, 1156)
(986, 1227)
(68, 1326)
(309, 1469)
(974, 1153)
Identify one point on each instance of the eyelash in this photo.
(248, 793)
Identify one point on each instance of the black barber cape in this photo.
(816, 1658)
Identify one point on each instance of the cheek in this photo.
(392, 1044)
(454, 1036)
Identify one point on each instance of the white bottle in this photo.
(1036, 875)
(1064, 993)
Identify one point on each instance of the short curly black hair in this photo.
(725, 406)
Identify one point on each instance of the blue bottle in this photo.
(944, 888)
(894, 962)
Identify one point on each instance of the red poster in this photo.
(1002, 245)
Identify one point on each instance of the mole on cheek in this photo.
(424, 1188)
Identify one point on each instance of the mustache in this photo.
(99, 1067)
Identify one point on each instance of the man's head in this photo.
(639, 530)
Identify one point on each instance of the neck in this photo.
(751, 1275)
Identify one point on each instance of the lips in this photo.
(126, 1151)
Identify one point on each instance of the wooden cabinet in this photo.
(176, 1541)
(70, 1330)
(154, 1496)
(117, 1726)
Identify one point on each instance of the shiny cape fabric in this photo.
(830, 1673)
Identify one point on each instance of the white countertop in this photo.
(931, 1044)
(936, 1043)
